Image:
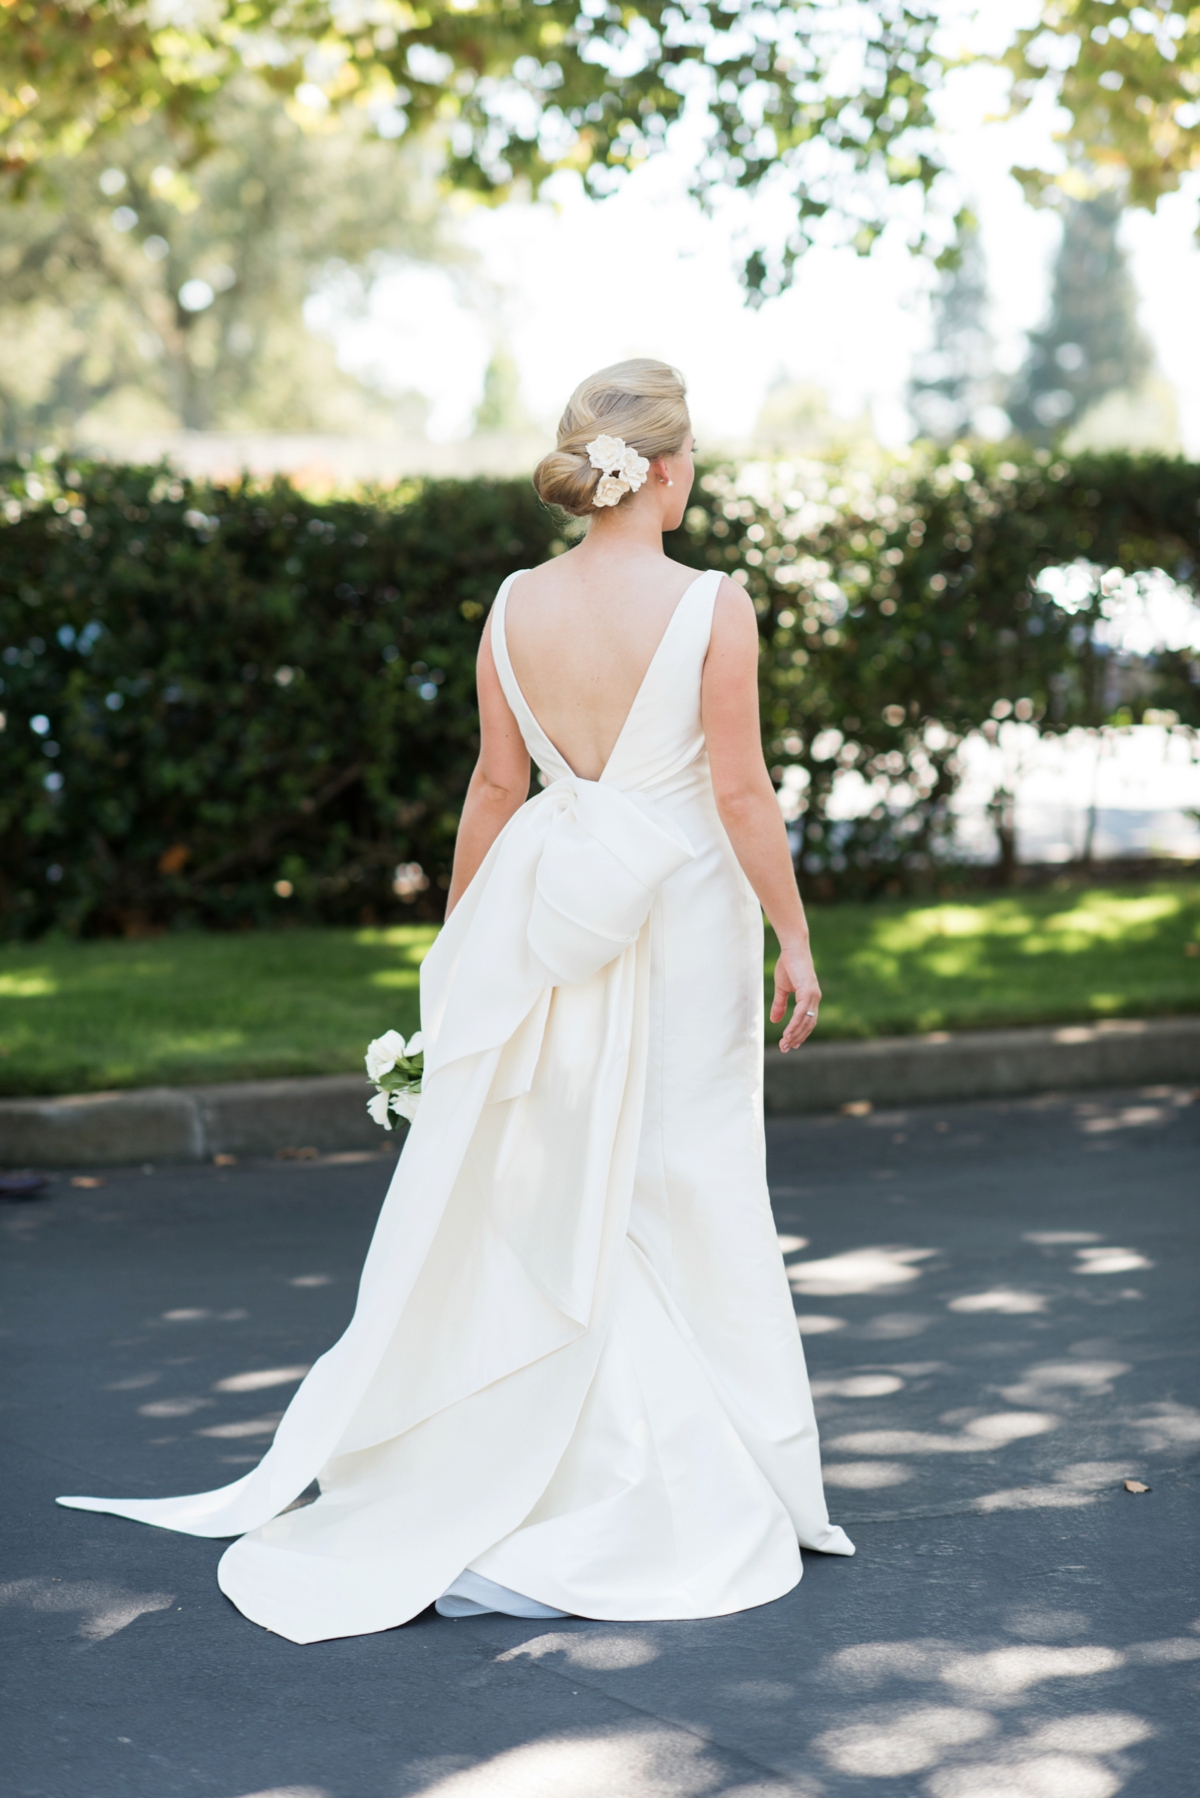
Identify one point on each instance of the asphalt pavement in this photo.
(999, 1308)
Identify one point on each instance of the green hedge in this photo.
(243, 688)
(235, 705)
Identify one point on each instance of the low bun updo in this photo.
(642, 401)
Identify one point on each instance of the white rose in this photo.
(405, 1102)
(606, 453)
(383, 1054)
(378, 1108)
(610, 489)
(635, 468)
(415, 1044)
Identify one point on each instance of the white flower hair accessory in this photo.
(622, 470)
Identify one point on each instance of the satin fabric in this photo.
(573, 1370)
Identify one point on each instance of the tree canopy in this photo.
(823, 108)
(822, 111)
(1129, 79)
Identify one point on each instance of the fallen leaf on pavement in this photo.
(1137, 1486)
(224, 1160)
(857, 1108)
(87, 1180)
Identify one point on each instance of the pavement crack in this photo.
(54, 1460)
(576, 1678)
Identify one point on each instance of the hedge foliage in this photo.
(237, 705)
(901, 613)
(242, 688)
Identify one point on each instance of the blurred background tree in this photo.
(144, 285)
(952, 393)
(1127, 79)
(1091, 344)
(500, 406)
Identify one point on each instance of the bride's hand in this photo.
(794, 973)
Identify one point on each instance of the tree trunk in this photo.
(1002, 811)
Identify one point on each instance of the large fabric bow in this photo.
(564, 891)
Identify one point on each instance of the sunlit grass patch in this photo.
(1027, 957)
(30, 985)
(414, 941)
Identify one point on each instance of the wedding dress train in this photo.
(573, 1373)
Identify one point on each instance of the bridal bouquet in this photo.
(396, 1067)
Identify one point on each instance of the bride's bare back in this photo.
(581, 632)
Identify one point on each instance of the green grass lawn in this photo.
(1032, 957)
(199, 1007)
(192, 1007)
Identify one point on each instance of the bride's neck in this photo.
(627, 529)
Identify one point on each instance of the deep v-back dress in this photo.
(573, 1368)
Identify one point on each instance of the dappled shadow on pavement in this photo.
(996, 1303)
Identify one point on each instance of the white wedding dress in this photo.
(573, 1381)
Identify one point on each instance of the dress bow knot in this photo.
(565, 890)
(603, 857)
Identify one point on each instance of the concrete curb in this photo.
(188, 1123)
(261, 1117)
(982, 1064)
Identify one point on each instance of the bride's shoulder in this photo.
(734, 624)
(729, 593)
(733, 601)
(543, 576)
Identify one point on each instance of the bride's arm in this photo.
(500, 783)
(747, 803)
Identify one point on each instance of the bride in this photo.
(573, 1382)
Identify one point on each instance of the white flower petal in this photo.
(634, 468)
(415, 1044)
(405, 1102)
(610, 490)
(378, 1108)
(383, 1054)
(606, 453)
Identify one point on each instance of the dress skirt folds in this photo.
(573, 1370)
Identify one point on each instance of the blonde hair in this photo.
(641, 400)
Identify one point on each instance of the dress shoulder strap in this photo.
(504, 667)
(697, 607)
(536, 741)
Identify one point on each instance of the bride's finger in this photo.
(803, 1023)
(784, 990)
